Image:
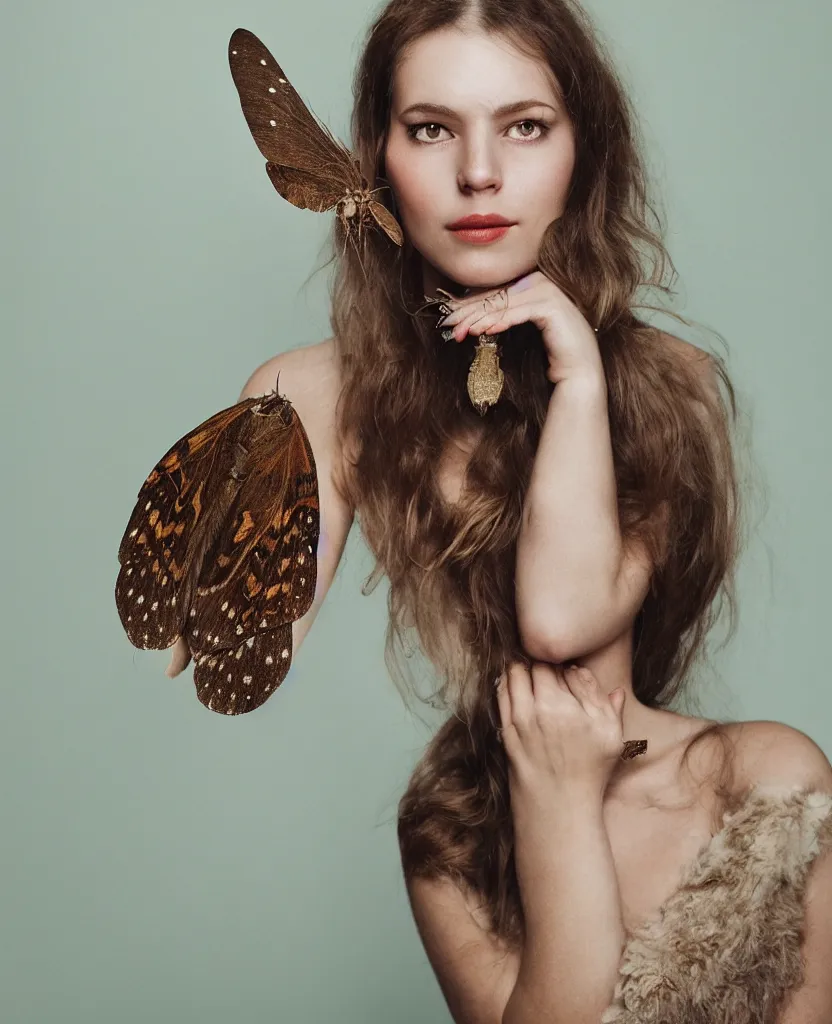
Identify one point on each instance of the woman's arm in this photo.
(574, 934)
(562, 738)
(576, 587)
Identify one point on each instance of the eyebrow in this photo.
(508, 108)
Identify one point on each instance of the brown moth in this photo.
(305, 162)
(221, 549)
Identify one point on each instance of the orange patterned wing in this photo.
(235, 503)
(260, 582)
(169, 524)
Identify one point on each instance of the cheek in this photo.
(415, 197)
(546, 190)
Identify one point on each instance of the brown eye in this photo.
(413, 128)
(544, 128)
(530, 136)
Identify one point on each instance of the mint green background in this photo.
(162, 863)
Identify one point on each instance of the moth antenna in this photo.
(358, 254)
(339, 219)
(401, 290)
(360, 259)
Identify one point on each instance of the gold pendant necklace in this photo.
(485, 378)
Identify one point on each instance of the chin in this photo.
(492, 272)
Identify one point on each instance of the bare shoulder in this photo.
(310, 379)
(475, 972)
(308, 374)
(774, 753)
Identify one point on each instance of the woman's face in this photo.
(471, 158)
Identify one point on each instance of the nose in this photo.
(479, 166)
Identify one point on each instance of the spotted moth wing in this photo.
(229, 520)
(169, 526)
(307, 165)
(261, 581)
(286, 131)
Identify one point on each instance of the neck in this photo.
(612, 666)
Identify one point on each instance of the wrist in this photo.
(563, 799)
(589, 377)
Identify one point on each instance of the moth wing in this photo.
(261, 576)
(287, 133)
(157, 550)
(304, 189)
(238, 680)
(386, 221)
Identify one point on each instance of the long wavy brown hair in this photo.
(451, 565)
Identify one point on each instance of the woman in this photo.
(591, 516)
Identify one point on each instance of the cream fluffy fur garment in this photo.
(724, 948)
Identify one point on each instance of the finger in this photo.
(494, 322)
(521, 694)
(504, 706)
(465, 309)
(548, 684)
(488, 299)
(583, 686)
(596, 692)
(503, 699)
(546, 673)
(179, 660)
(493, 300)
(616, 699)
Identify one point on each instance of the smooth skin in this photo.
(643, 827)
(515, 164)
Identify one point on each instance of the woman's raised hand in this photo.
(558, 727)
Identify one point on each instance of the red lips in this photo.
(480, 220)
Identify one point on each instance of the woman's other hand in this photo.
(180, 658)
(559, 728)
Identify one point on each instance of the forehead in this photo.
(469, 70)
